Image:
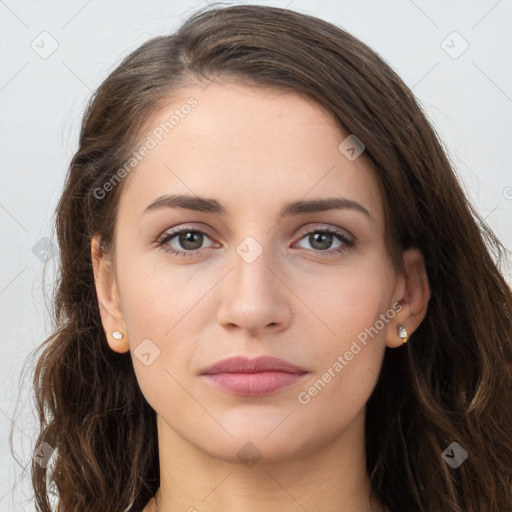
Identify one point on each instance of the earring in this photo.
(402, 333)
(117, 335)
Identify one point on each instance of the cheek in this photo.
(158, 307)
(156, 297)
(164, 309)
(350, 344)
(346, 304)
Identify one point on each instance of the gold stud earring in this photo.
(402, 333)
(117, 335)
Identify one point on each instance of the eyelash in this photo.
(347, 242)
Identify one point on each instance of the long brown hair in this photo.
(452, 382)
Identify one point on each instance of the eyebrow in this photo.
(207, 205)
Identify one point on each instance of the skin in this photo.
(254, 149)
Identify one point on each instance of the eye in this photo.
(191, 240)
(322, 239)
(188, 238)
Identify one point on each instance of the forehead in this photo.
(247, 146)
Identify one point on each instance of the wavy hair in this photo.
(451, 382)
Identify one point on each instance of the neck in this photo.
(330, 476)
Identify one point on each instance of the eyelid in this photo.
(183, 227)
(172, 232)
(304, 231)
(348, 241)
(326, 226)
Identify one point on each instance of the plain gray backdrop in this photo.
(454, 55)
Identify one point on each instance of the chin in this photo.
(264, 441)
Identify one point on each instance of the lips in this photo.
(240, 364)
(261, 376)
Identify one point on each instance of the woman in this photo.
(274, 294)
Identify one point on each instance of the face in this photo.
(190, 288)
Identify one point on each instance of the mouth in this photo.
(253, 377)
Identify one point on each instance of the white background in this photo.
(468, 99)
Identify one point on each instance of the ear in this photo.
(108, 297)
(413, 294)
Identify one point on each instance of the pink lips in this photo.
(253, 377)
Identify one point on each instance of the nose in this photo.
(255, 297)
